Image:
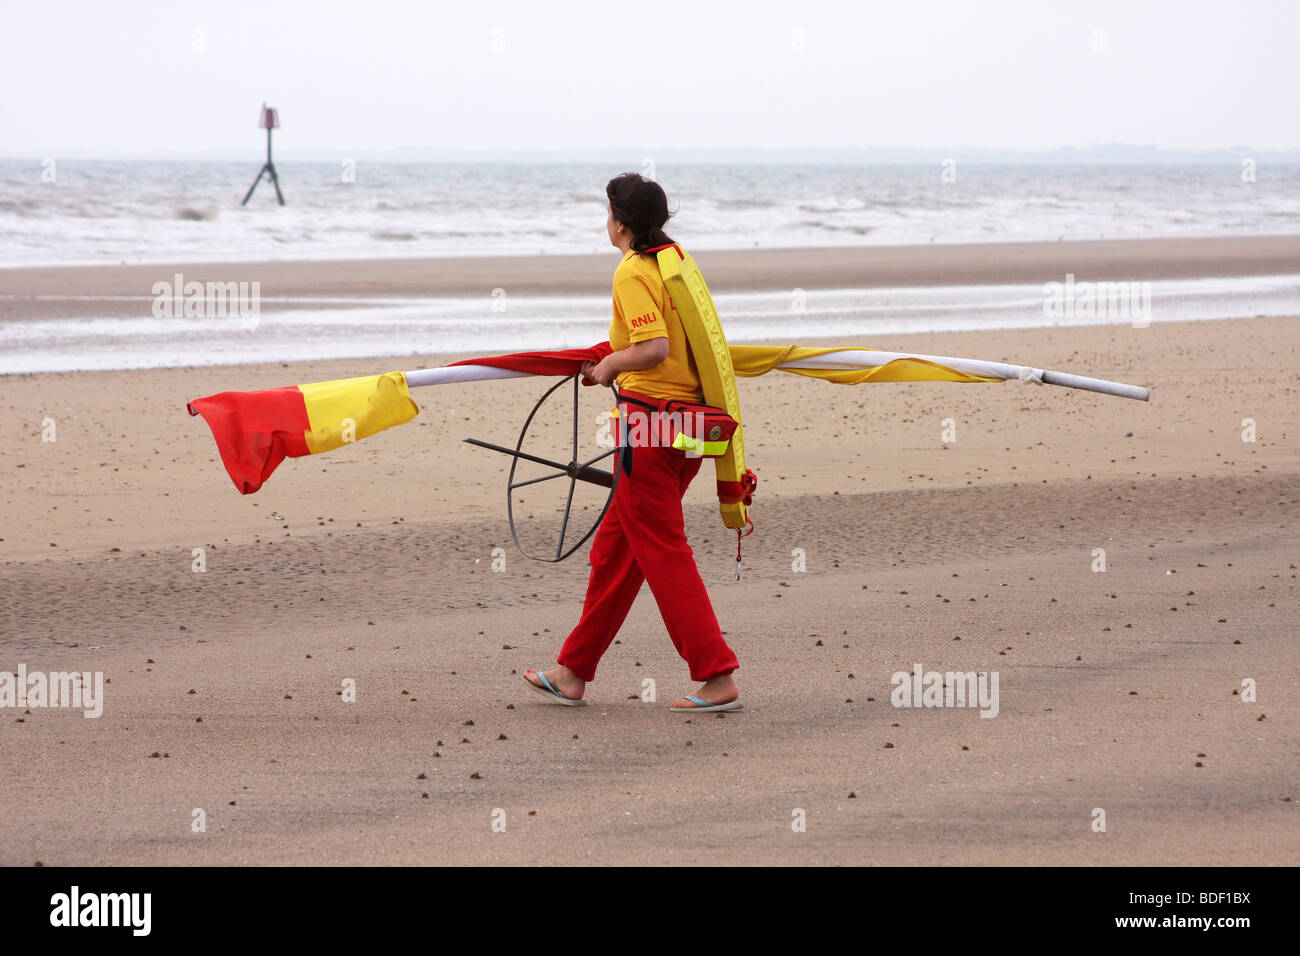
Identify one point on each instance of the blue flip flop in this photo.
(704, 707)
(551, 692)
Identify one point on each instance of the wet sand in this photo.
(72, 291)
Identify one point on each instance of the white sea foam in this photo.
(99, 211)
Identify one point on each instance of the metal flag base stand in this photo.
(574, 471)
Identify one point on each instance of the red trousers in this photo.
(643, 538)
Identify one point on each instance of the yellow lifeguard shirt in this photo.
(643, 310)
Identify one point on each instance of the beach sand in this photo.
(1119, 691)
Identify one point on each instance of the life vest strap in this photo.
(670, 245)
(739, 492)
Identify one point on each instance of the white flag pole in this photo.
(1137, 392)
(839, 359)
(869, 358)
(447, 374)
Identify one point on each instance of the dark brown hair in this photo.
(640, 204)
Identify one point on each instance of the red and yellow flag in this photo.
(255, 431)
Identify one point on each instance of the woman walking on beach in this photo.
(643, 537)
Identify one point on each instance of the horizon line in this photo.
(1113, 152)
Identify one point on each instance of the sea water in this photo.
(77, 211)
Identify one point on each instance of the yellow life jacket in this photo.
(703, 328)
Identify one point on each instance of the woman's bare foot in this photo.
(715, 690)
(562, 679)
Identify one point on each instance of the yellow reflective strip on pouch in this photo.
(710, 448)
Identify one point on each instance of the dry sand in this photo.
(1117, 688)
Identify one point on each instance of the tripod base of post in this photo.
(268, 169)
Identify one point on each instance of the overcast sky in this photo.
(145, 79)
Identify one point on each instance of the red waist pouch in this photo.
(698, 430)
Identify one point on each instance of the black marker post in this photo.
(270, 120)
